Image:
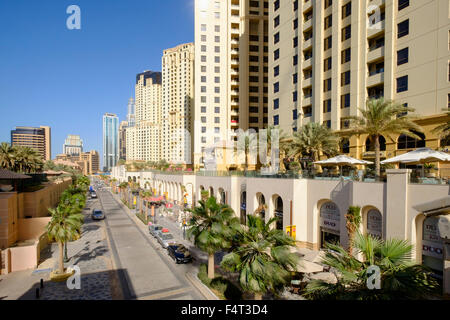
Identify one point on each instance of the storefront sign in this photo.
(375, 223)
(292, 232)
(432, 242)
(330, 216)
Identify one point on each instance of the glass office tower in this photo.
(110, 141)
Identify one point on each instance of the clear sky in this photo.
(67, 79)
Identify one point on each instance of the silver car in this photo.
(98, 215)
(165, 239)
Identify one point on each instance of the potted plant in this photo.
(429, 168)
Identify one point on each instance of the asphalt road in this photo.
(145, 270)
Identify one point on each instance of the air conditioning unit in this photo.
(444, 227)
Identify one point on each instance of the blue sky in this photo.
(67, 79)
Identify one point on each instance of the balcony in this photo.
(235, 92)
(308, 44)
(376, 28)
(234, 103)
(307, 82)
(234, 43)
(234, 52)
(307, 63)
(234, 83)
(307, 5)
(375, 54)
(307, 100)
(234, 72)
(375, 78)
(234, 62)
(307, 24)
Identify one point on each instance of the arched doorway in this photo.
(222, 197)
(330, 221)
(211, 191)
(244, 208)
(278, 211)
(432, 246)
(261, 206)
(370, 144)
(374, 223)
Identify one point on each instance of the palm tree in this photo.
(213, 226)
(313, 139)
(247, 143)
(262, 258)
(379, 118)
(63, 227)
(6, 156)
(443, 131)
(284, 141)
(353, 221)
(400, 278)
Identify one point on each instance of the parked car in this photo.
(93, 195)
(98, 215)
(180, 253)
(154, 228)
(165, 239)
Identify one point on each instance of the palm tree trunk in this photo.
(377, 158)
(61, 257)
(211, 265)
(258, 296)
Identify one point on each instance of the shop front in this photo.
(374, 225)
(330, 218)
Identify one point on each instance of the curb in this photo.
(204, 290)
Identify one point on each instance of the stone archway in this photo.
(261, 205)
(329, 222)
(372, 222)
(278, 211)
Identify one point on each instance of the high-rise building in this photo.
(131, 119)
(73, 145)
(36, 138)
(91, 162)
(327, 58)
(231, 69)
(110, 141)
(123, 140)
(177, 104)
(143, 140)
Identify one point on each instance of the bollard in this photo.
(37, 293)
(42, 283)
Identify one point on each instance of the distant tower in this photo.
(131, 119)
(110, 141)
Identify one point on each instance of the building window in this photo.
(295, 60)
(402, 84)
(203, 119)
(327, 43)
(295, 26)
(276, 104)
(276, 120)
(276, 21)
(326, 85)
(294, 114)
(346, 10)
(345, 101)
(203, 58)
(203, 27)
(345, 124)
(403, 29)
(295, 78)
(346, 55)
(203, 109)
(328, 22)
(276, 71)
(345, 146)
(276, 54)
(276, 5)
(327, 64)
(327, 124)
(294, 96)
(402, 4)
(217, 110)
(405, 142)
(327, 106)
(402, 56)
(216, 120)
(276, 87)
(328, 3)
(295, 42)
(307, 112)
(346, 32)
(345, 78)
(276, 38)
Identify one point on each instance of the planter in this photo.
(56, 277)
(6, 187)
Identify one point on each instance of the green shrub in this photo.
(224, 287)
(203, 274)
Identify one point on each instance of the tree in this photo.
(443, 131)
(400, 278)
(6, 156)
(313, 139)
(213, 226)
(247, 143)
(353, 221)
(63, 227)
(383, 118)
(262, 258)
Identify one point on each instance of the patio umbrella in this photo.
(342, 161)
(420, 157)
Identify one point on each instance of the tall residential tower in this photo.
(35, 138)
(110, 141)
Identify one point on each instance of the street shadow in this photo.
(105, 285)
(87, 254)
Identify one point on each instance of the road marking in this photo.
(165, 295)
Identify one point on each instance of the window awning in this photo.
(435, 208)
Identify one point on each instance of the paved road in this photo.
(146, 272)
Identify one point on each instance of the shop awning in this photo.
(435, 208)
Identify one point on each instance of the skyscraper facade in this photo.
(73, 145)
(144, 139)
(110, 141)
(177, 104)
(35, 138)
(231, 70)
(123, 140)
(131, 119)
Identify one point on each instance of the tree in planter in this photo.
(263, 258)
(379, 118)
(213, 227)
(63, 227)
(353, 221)
(401, 278)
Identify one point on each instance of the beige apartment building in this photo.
(35, 138)
(231, 70)
(87, 162)
(123, 140)
(327, 57)
(177, 104)
(144, 139)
